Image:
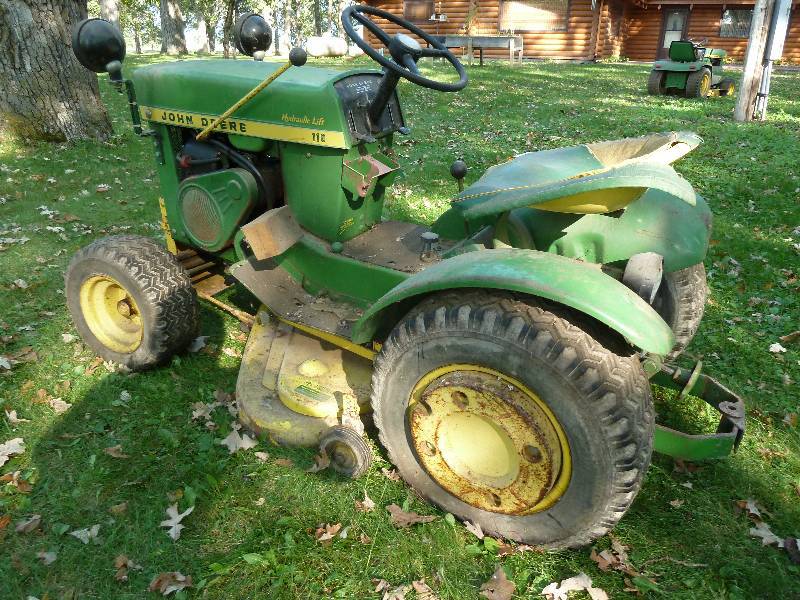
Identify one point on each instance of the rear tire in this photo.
(592, 384)
(698, 84)
(655, 83)
(131, 301)
(681, 301)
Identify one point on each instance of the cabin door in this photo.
(674, 25)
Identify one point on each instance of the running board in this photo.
(704, 446)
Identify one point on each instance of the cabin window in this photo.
(735, 23)
(534, 15)
(418, 11)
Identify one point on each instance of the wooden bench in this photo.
(478, 42)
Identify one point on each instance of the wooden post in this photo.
(753, 60)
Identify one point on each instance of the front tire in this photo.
(458, 379)
(681, 301)
(727, 87)
(131, 301)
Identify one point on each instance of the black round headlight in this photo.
(96, 43)
(252, 34)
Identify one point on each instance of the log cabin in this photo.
(593, 29)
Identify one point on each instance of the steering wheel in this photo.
(404, 50)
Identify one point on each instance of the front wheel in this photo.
(727, 87)
(520, 416)
(681, 301)
(131, 300)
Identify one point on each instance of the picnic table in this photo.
(478, 42)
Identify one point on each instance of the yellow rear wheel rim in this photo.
(489, 440)
(111, 313)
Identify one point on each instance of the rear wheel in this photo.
(131, 301)
(509, 413)
(655, 83)
(698, 84)
(681, 301)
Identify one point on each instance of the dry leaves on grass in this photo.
(325, 533)
(366, 505)
(498, 586)
(28, 525)
(12, 417)
(321, 462)
(118, 509)
(58, 405)
(403, 519)
(168, 583)
(581, 582)
(13, 447)
(86, 535)
(235, 441)
(261, 456)
(123, 564)
(284, 462)
(614, 559)
(115, 451)
(390, 474)
(16, 480)
(474, 529)
(174, 521)
(47, 558)
(423, 590)
(390, 593)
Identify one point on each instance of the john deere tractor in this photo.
(692, 70)
(505, 353)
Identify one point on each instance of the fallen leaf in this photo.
(115, 451)
(367, 505)
(326, 532)
(423, 590)
(262, 456)
(235, 442)
(68, 338)
(791, 547)
(11, 448)
(232, 352)
(203, 410)
(790, 337)
(559, 591)
(118, 509)
(688, 485)
(4, 521)
(682, 466)
(12, 417)
(762, 530)
(776, 348)
(198, 343)
(363, 538)
(174, 521)
(58, 405)
(167, 583)
(17, 481)
(474, 529)
(260, 501)
(21, 284)
(498, 586)
(123, 564)
(677, 503)
(750, 507)
(29, 525)
(403, 519)
(102, 188)
(86, 535)
(284, 462)
(391, 474)
(47, 558)
(790, 419)
(321, 462)
(390, 593)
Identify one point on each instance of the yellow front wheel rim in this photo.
(705, 85)
(111, 313)
(489, 440)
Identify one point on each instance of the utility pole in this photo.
(779, 25)
(753, 71)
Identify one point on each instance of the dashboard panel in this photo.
(356, 92)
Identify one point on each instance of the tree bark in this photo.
(46, 93)
(227, 29)
(137, 40)
(202, 34)
(317, 18)
(109, 10)
(173, 39)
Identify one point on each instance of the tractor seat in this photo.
(590, 178)
(685, 51)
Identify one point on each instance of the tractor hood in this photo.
(301, 105)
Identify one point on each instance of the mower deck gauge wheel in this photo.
(349, 453)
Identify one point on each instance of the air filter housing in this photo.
(213, 205)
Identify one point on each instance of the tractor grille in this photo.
(200, 215)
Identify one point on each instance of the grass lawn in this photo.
(251, 533)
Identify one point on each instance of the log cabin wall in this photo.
(623, 28)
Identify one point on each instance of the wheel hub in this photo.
(111, 314)
(488, 439)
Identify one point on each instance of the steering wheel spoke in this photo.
(373, 27)
(410, 64)
(434, 53)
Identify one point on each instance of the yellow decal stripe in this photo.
(272, 131)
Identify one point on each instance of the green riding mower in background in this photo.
(505, 353)
(692, 70)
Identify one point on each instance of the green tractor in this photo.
(692, 70)
(505, 353)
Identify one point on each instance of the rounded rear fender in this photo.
(578, 285)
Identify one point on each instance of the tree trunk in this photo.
(227, 30)
(109, 10)
(211, 33)
(137, 40)
(331, 18)
(202, 34)
(753, 61)
(173, 39)
(46, 93)
(317, 18)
